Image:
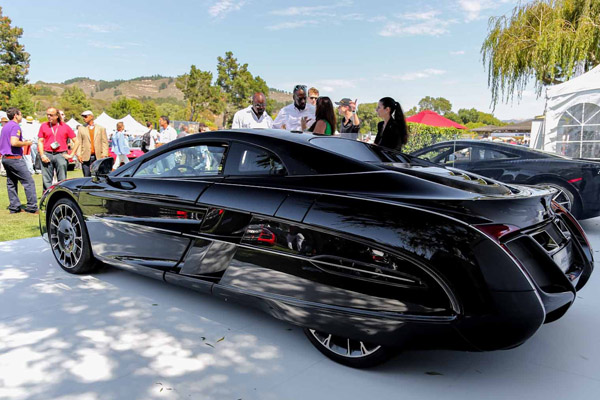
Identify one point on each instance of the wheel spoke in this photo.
(327, 341)
(363, 349)
(344, 347)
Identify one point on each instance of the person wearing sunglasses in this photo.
(53, 146)
(313, 95)
(297, 116)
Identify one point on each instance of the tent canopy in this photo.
(588, 81)
(106, 121)
(431, 118)
(132, 127)
(73, 124)
(572, 123)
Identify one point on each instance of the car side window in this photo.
(191, 161)
(250, 160)
(436, 155)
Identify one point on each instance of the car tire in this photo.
(349, 352)
(69, 239)
(565, 197)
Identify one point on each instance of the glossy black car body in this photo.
(577, 181)
(333, 235)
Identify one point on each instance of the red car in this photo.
(135, 149)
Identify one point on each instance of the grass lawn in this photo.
(22, 225)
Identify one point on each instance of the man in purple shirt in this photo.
(11, 148)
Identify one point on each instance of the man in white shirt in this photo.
(29, 132)
(168, 133)
(291, 117)
(254, 116)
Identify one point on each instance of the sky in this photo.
(363, 49)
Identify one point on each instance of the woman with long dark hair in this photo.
(392, 131)
(325, 117)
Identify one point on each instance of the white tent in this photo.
(73, 124)
(572, 125)
(132, 126)
(106, 121)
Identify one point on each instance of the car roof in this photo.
(295, 149)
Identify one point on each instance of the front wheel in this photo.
(69, 239)
(350, 352)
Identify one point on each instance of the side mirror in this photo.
(101, 168)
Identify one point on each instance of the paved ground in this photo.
(116, 335)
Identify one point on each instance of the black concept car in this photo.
(368, 250)
(576, 181)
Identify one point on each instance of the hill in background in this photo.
(142, 88)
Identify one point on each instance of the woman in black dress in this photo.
(392, 131)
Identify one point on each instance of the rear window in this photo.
(358, 150)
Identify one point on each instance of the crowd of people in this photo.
(49, 150)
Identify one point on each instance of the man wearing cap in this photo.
(11, 148)
(253, 116)
(347, 109)
(92, 142)
(53, 147)
(298, 115)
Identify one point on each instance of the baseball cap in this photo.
(343, 102)
(29, 118)
(86, 113)
(3, 116)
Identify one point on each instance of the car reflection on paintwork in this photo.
(368, 250)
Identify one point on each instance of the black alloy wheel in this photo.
(69, 239)
(349, 352)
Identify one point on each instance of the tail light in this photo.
(496, 231)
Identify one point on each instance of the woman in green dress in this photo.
(325, 117)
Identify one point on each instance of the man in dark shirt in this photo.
(350, 122)
(11, 148)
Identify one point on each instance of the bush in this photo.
(420, 135)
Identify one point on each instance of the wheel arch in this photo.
(547, 178)
(55, 197)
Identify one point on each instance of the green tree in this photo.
(237, 84)
(452, 116)
(14, 60)
(149, 112)
(368, 117)
(468, 115)
(21, 98)
(548, 41)
(172, 110)
(73, 102)
(123, 106)
(439, 104)
(411, 112)
(199, 92)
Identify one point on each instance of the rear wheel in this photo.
(564, 197)
(350, 352)
(69, 239)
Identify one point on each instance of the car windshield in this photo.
(359, 150)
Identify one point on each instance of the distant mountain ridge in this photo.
(143, 87)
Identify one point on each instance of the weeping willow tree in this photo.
(548, 41)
